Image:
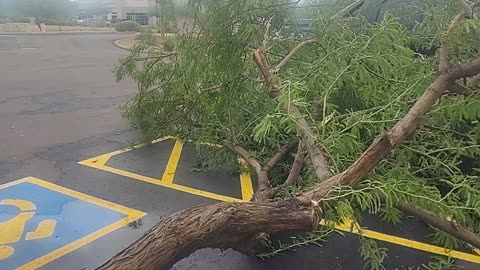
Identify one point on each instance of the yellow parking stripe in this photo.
(348, 227)
(247, 193)
(246, 185)
(172, 164)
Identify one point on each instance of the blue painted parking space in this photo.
(40, 221)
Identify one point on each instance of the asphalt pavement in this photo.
(60, 122)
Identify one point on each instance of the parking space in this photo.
(217, 186)
(41, 222)
(177, 172)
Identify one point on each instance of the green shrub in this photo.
(144, 36)
(56, 22)
(21, 20)
(169, 44)
(146, 29)
(127, 26)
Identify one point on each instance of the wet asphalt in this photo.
(60, 104)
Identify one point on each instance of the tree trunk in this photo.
(237, 225)
(221, 225)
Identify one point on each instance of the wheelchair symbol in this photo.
(11, 231)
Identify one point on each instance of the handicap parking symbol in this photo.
(40, 222)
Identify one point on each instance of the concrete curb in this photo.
(118, 45)
(56, 33)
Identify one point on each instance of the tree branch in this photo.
(225, 225)
(279, 155)
(385, 143)
(468, 9)
(474, 82)
(245, 155)
(443, 54)
(318, 158)
(292, 53)
(434, 220)
(296, 167)
(221, 225)
(350, 8)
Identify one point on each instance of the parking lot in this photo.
(73, 192)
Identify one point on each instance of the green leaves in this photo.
(372, 254)
(353, 84)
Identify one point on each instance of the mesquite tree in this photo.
(355, 114)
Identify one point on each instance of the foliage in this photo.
(47, 9)
(361, 76)
(146, 29)
(56, 22)
(127, 26)
(169, 44)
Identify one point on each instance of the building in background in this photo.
(119, 10)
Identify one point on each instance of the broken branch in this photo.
(318, 158)
(245, 155)
(443, 55)
(279, 155)
(467, 9)
(447, 226)
(384, 144)
(350, 8)
(292, 53)
(296, 167)
(221, 225)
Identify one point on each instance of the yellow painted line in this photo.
(37, 263)
(406, 242)
(204, 193)
(100, 160)
(247, 193)
(172, 164)
(245, 182)
(88, 198)
(131, 148)
(163, 184)
(132, 215)
(246, 185)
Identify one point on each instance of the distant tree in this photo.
(48, 9)
(165, 12)
(40, 9)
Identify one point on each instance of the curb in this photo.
(118, 45)
(56, 33)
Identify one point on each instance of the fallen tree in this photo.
(331, 93)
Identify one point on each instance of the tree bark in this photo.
(294, 51)
(279, 155)
(296, 167)
(351, 8)
(443, 55)
(222, 225)
(435, 221)
(319, 161)
(467, 8)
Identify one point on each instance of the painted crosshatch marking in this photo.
(167, 179)
(40, 222)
